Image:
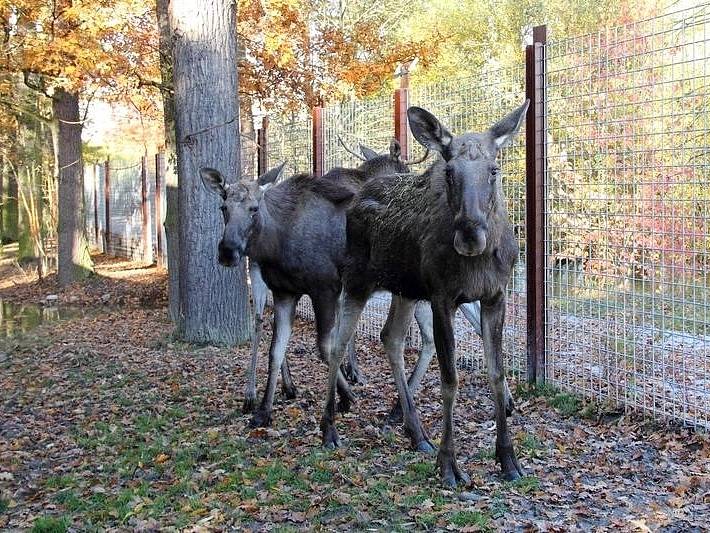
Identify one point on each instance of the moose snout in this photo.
(470, 237)
(229, 253)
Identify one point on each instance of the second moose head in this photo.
(240, 208)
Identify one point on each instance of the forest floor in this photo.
(107, 423)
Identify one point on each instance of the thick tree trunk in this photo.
(2, 197)
(171, 181)
(11, 208)
(214, 299)
(74, 261)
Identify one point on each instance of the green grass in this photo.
(4, 505)
(526, 484)
(49, 524)
(531, 446)
(567, 404)
(469, 518)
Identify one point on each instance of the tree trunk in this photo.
(74, 261)
(171, 181)
(2, 198)
(214, 299)
(11, 208)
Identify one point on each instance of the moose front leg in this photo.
(284, 311)
(492, 317)
(443, 312)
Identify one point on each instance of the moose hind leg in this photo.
(423, 316)
(492, 317)
(350, 314)
(393, 335)
(472, 312)
(287, 386)
(351, 370)
(284, 311)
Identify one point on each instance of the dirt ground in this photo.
(107, 423)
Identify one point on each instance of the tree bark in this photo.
(171, 181)
(74, 261)
(246, 124)
(2, 198)
(214, 300)
(11, 208)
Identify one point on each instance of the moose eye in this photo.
(253, 209)
(495, 172)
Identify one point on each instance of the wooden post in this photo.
(536, 162)
(318, 141)
(160, 254)
(107, 206)
(401, 103)
(146, 230)
(96, 206)
(262, 140)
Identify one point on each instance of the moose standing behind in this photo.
(445, 237)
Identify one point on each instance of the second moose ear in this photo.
(427, 129)
(368, 153)
(271, 176)
(505, 129)
(213, 180)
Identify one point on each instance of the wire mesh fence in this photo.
(628, 211)
(289, 139)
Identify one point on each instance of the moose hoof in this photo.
(353, 375)
(510, 467)
(344, 404)
(330, 437)
(451, 474)
(248, 405)
(426, 447)
(260, 419)
(290, 392)
(395, 415)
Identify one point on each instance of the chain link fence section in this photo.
(628, 215)
(290, 139)
(473, 105)
(368, 122)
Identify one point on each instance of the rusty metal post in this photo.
(262, 139)
(401, 103)
(160, 254)
(107, 206)
(96, 205)
(536, 166)
(146, 230)
(318, 141)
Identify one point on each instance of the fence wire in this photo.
(368, 122)
(628, 215)
(290, 139)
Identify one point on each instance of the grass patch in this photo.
(469, 518)
(567, 404)
(50, 524)
(526, 484)
(4, 505)
(531, 446)
(70, 501)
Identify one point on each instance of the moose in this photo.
(295, 233)
(442, 236)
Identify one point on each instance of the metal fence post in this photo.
(96, 205)
(146, 233)
(159, 228)
(107, 206)
(536, 165)
(318, 141)
(262, 139)
(401, 103)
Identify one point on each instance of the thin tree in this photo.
(213, 299)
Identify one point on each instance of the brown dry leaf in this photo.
(161, 458)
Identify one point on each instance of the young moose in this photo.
(445, 237)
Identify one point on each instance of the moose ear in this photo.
(395, 148)
(272, 175)
(505, 129)
(427, 129)
(213, 181)
(369, 153)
